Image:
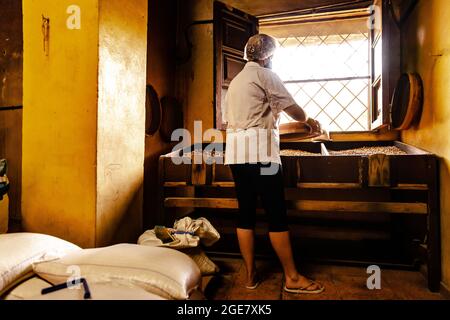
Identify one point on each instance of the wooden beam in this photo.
(365, 136)
(325, 185)
(306, 205)
(175, 184)
(308, 185)
(223, 184)
(379, 171)
(369, 207)
(411, 150)
(198, 174)
(410, 186)
(184, 202)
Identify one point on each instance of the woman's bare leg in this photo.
(281, 243)
(247, 246)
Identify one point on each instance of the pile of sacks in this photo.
(187, 236)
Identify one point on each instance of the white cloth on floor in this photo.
(187, 232)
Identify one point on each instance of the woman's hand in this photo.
(314, 124)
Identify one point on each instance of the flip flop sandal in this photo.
(256, 285)
(304, 290)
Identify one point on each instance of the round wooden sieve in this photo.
(407, 101)
(152, 111)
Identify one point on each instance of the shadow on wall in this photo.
(151, 186)
(159, 132)
(123, 228)
(161, 68)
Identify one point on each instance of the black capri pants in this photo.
(251, 184)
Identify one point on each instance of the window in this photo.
(341, 66)
(325, 66)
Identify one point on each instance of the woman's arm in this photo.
(298, 114)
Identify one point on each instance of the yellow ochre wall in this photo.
(121, 120)
(426, 50)
(60, 122)
(83, 126)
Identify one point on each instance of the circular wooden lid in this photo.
(407, 101)
(152, 111)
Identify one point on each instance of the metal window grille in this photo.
(327, 72)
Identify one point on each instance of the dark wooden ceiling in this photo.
(260, 7)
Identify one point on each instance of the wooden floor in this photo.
(341, 283)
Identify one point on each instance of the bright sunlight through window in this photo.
(326, 68)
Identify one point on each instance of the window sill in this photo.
(380, 135)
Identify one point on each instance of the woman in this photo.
(254, 101)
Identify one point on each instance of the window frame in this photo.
(389, 55)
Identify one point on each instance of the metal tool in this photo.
(69, 284)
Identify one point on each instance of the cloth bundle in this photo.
(186, 236)
(187, 232)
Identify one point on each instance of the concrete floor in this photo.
(341, 283)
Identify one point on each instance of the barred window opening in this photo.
(326, 67)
